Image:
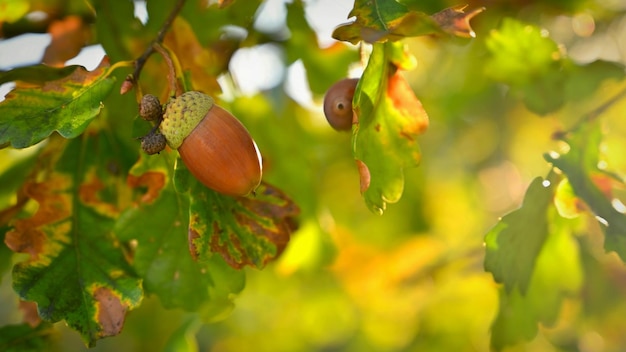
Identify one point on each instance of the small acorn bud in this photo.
(150, 108)
(216, 148)
(338, 104)
(153, 142)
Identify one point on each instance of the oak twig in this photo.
(175, 88)
(132, 78)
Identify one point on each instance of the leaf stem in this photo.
(132, 79)
(175, 89)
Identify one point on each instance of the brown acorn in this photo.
(338, 104)
(216, 148)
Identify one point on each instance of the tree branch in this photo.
(132, 79)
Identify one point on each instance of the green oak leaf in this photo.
(77, 270)
(580, 165)
(520, 53)
(556, 274)
(249, 230)
(390, 118)
(118, 30)
(30, 114)
(39, 73)
(524, 57)
(24, 338)
(515, 242)
(159, 224)
(388, 20)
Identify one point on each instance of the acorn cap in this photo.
(182, 115)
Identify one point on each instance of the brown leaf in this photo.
(54, 205)
(455, 21)
(69, 35)
(193, 57)
(267, 218)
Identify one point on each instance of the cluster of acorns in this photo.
(216, 148)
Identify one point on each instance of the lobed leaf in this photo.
(77, 270)
(524, 57)
(515, 242)
(67, 38)
(390, 118)
(39, 73)
(533, 252)
(387, 20)
(120, 33)
(67, 105)
(580, 165)
(520, 53)
(243, 230)
(158, 222)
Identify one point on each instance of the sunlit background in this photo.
(412, 279)
(254, 69)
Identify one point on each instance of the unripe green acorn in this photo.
(216, 148)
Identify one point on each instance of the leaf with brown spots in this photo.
(30, 113)
(244, 231)
(158, 223)
(388, 20)
(76, 269)
(390, 119)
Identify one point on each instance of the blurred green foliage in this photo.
(521, 104)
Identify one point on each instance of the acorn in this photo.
(216, 148)
(150, 108)
(153, 143)
(338, 104)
